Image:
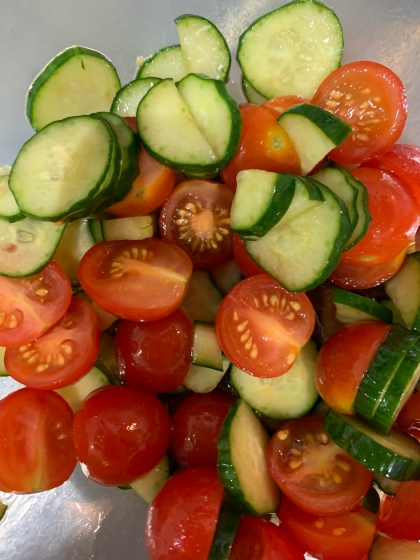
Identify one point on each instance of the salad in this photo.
(177, 299)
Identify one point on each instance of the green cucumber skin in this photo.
(226, 529)
(251, 95)
(126, 88)
(363, 204)
(363, 304)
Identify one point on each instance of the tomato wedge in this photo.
(261, 327)
(409, 418)
(62, 355)
(399, 515)
(136, 280)
(246, 265)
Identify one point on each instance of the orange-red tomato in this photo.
(278, 105)
(409, 418)
(399, 515)
(246, 265)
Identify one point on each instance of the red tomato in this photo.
(182, 519)
(342, 537)
(313, 471)
(196, 217)
(372, 100)
(264, 145)
(409, 418)
(149, 191)
(246, 265)
(196, 427)
(36, 441)
(136, 280)
(154, 355)
(63, 355)
(344, 359)
(399, 515)
(258, 539)
(132, 123)
(30, 306)
(278, 105)
(120, 433)
(261, 327)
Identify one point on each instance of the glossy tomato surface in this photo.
(120, 433)
(261, 327)
(36, 441)
(30, 306)
(399, 515)
(154, 355)
(62, 355)
(136, 280)
(246, 265)
(409, 418)
(182, 519)
(371, 98)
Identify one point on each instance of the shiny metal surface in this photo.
(82, 520)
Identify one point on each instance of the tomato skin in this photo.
(258, 539)
(34, 313)
(343, 361)
(154, 355)
(272, 333)
(379, 101)
(36, 441)
(324, 537)
(196, 427)
(312, 471)
(246, 265)
(136, 280)
(408, 419)
(399, 515)
(63, 355)
(132, 123)
(278, 105)
(182, 519)
(120, 433)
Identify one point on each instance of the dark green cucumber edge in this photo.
(226, 529)
(127, 87)
(149, 60)
(3, 509)
(361, 204)
(364, 304)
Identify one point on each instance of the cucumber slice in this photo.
(354, 307)
(384, 548)
(27, 246)
(3, 509)
(203, 298)
(291, 50)
(128, 98)
(206, 351)
(57, 175)
(226, 275)
(362, 211)
(166, 63)
(289, 396)
(204, 49)
(386, 484)
(396, 455)
(9, 210)
(3, 372)
(314, 132)
(76, 393)
(88, 79)
(148, 486)
(135, 228)
(95, 228)
(202, 379)
(75, 242)
(371, 500)
(242, 462)
(252, 95)
(106, 358)
(404, 290)
(396, 315)
(226, 529)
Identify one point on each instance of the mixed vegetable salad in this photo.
(218, 305)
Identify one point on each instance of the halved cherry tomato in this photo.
(36, 441)
(264, 145)
(258, 539)
(399, 515)
(136, 280)
(246, 265)
(372, 99)
(132, 123)
(409, 418)
(63, 355)
(196, 427)
(120, 433)
(341, 537)
(313, 471)
(196, 217)
(344, 359)
(182, 519)
(30, 306)
(278, 105)
(261, 327)
(149, 191)
(154, 355)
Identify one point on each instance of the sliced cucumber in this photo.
(386, 484)
(362, 211)
(166, 63)
(226, 528)
(289, 396)
(75, 242)
(314, 132)
(148, 486)
(396, 315)
(128, 98)
(3, 372)
(204, 49)
(3, 509)
(203, 298)
(404, 290)
(396, 455)
(242, 462)
(95, 228)
(9, 210)
(252, 95)
(57, 175)
(78, 81)
(226, 275)
(106, 358)
(385, 548)
(371, 501)
(354, 307)
(206, 351)
(291, 50)
(135, 228)
(202, 379)
(76, 393)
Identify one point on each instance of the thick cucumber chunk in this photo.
(396, 455)
(252, 95)
(204, 49)
(128, 98)
(362, 210)
(76, 393)
(336, 180)
(354, 307)
(78, 81)
(151, 483)
(27, 246)
(166, 63)
(289, 396)
(206, 351)
(314, 132)
(57, 175)
(76, 241)
(404, 291)
(95, 228)
(242, 462)
(291, 50)
(203, 298)
(227, 526)
(9, 210)
(203, 379)
(385, 548)
(135, 228)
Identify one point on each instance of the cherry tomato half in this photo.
(399, 515)
(136, 280)
(246, 265)
(408, 419)
(63, 355)
(261, 327)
